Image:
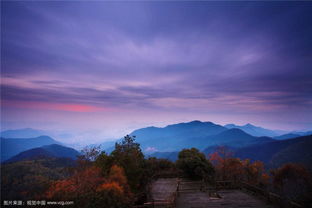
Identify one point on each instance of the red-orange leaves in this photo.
(291, 172)
(88, 188)
(110, 187)
(80, 183)
(235, 169)
(117, 174)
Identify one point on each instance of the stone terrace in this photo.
(191, 196)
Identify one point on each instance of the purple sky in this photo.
(110, 68)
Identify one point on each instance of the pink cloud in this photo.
(54, 106)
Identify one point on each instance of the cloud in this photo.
(151, 149)
(53, 106)
(204, 57)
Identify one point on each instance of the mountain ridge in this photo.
(22, 133)
(13, 146)
(253, 130)
(196, 134)
(275, 152)
(46, 151)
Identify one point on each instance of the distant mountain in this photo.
(177, 136)
(47, 151)
(13, 146)
(254, 130)
(193, 134)
(172, 156)
(300, 152)
(275, 153)
(22, 133)
(235, 138)
(302, 133)
(32, 154)
(286, 136)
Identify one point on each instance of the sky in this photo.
(102, 69)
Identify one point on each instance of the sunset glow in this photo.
(226, 62)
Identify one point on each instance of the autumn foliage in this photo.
(104, 180)
(121, 179)
(237, 170)
(89, 188)
(293, 181)
(194, 164)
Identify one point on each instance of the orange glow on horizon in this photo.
(54, 106)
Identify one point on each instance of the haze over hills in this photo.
(287, 136)
(13, 146)
(201, 135)
(197, 128)
(236, 138)
(302, 133)
(47, 151)
(176, 136)
(192, 134)
(164, 143)
(159, 142)
(23, 133)
(254, 130)
(275, 153)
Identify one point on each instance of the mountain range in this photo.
(22, 133)
(47, 151)
(253, 130)
(177, 136)
(246, 141)
(275, 153)
(192, 134)
(13, 146)
(286, 136)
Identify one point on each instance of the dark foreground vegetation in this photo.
(122, 178)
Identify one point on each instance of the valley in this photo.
(195, 150)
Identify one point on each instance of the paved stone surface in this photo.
(189, 186)
(191, 196)
(229, 199)
(163, 188)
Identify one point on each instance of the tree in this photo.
(117, 174)
(254, 171)
(129, 156)
(88, 188)
(31, 179)
(159, 167)
(80, 187)
(234, 169)
(115, 193)
(194, 164)
(111, 195)
(293, 181)
(88, 156)
(104, 162)
(220, 159)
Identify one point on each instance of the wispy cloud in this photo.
(205, 57)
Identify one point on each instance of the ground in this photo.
(229, 199)
(191, 196)
(164, 188)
